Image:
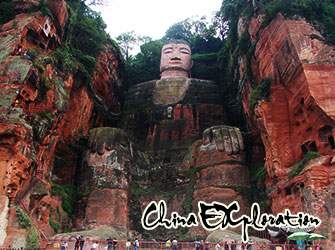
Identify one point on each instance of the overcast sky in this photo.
(152, 17)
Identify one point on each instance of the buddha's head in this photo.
(175, 59)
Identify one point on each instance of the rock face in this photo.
(43, 114)
(298, 117)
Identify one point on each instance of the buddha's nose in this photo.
(175, 58)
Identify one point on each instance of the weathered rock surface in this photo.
(298, 117)
(43, 114)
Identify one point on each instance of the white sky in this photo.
(152, 17)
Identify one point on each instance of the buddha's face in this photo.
(176, 57)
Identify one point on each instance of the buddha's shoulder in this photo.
(203, 91)
(172, 86)
(202, 83)
(143, 86)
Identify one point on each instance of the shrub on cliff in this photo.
(258, 192)
(33, 235)
(55, 225)
(67, 193)
(298, 167)
(321, 13)
(262, 91)
(7, 12)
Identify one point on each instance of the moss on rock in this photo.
(107, 137)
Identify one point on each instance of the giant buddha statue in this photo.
(171, 127)
(164, 117)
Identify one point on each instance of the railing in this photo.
(55, 244)
(44, 239)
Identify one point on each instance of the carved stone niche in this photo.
(30, 91)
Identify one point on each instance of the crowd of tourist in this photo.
(111, 244)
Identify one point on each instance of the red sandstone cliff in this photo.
(42, 112)
(298, 117)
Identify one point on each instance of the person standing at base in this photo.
(226, 246)
(168, 244)
(109, 243)
(114, 244)
(136, 244)
(201, 245)
(249, 245)
(197, 245)
(317, 247)
(217, 246)
(64, 246)
(76, 244)
(81, 242)
(95, 246)
(233, 245)
(128, 244)
(207, 245)
(174, 244)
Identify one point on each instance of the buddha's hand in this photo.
(227, 139)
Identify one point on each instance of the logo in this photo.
(216, 215)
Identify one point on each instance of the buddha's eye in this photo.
(167, 50)
(184, 51)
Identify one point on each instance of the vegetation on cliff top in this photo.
(84, 38)
(320, 13)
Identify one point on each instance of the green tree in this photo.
(181, 30)
(321, 13)
(127, 41)
(95, 2)
(145, 65)
(144, 39)
(219, 26)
